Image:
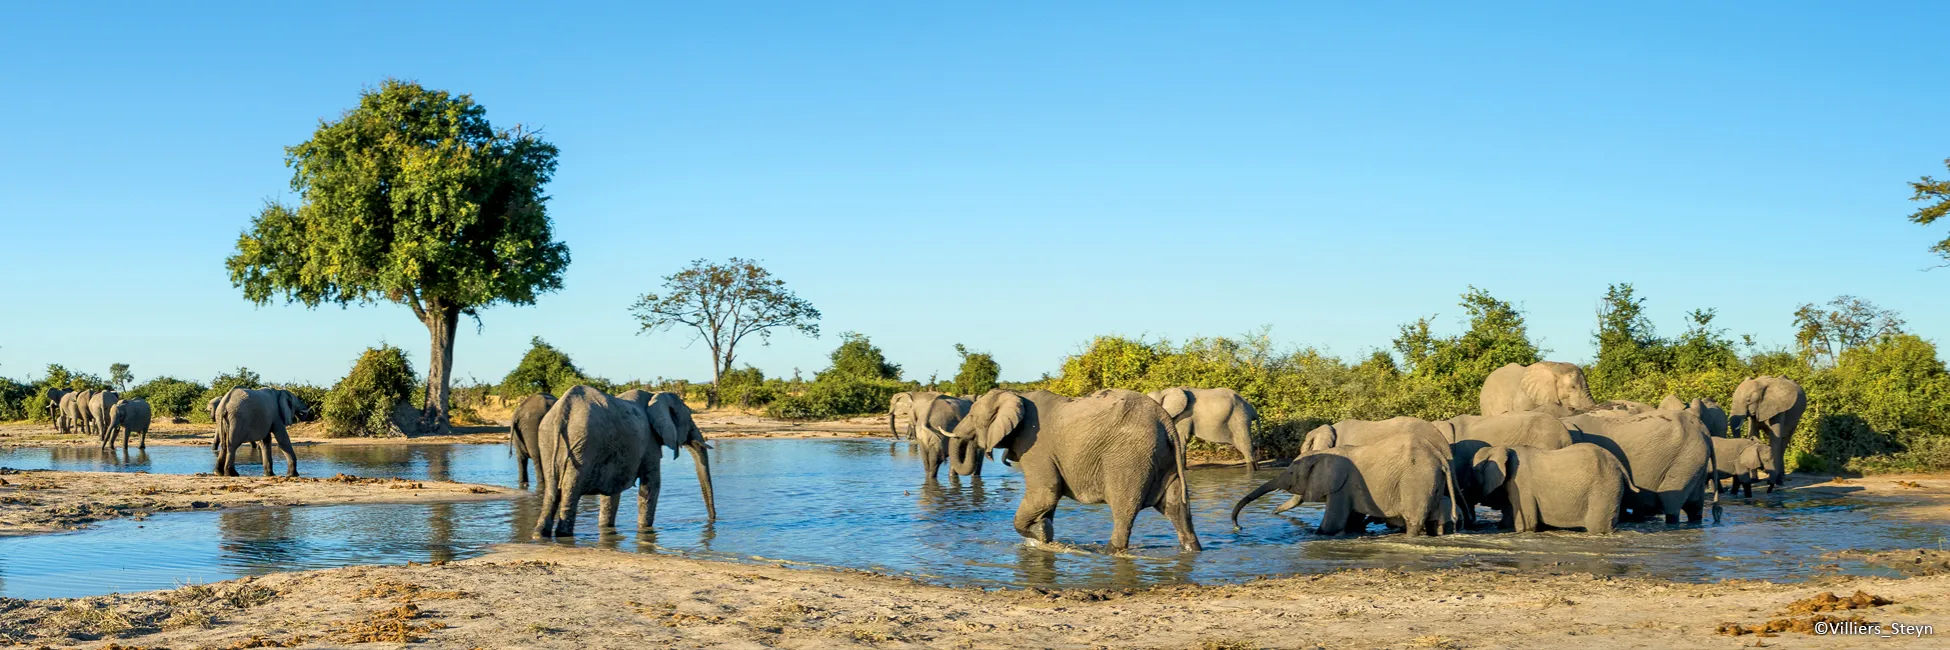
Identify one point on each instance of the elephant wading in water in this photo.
(1774, 405)
(1469, 434)
(1742, 459)
(82, 418)
(1215, 415)
(594, 443)
(99, 405)
(523, 430)
(933, 419)
(1667, 454)
(1402, 480)
(71, 407)
(1579, 486)
(129, 417)
(54, 413)
(1552, 387)
(256, 416)
(1116, 449)
(902, 405)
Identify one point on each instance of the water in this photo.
(863, 504)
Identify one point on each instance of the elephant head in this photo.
(671, 426)
(901, 403)
(1321, 438)
(1556, 382)
(290, 408)
(999, 418)
(1763, 398)
(1710, 413)
(1492, 465)
(1311, 477)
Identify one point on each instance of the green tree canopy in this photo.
(858, 358)
(543, 369)
(118, 374)
(725, 303)
(979, 372)
(1458, 365)
(362, 403)
(1937, 193)
(411, 197)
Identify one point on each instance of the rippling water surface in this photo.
(863, 504)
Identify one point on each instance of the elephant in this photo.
(1119, 449)
(54, 413)
(1619, 407)
(1742, 459)
(1402, 480)
(83, 417)
(522, 431)
(1774, 405)
(256, 416)
(1215, 415)
(1552, 387)
(933, 419)
(592, 442)
(1363, 432)
(130, 416)
(98, 407)
(1668, 455)
(1578, 486)
(902, 405)
(71, 408)
(1469, 434)
(1704, 408)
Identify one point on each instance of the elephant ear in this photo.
(287, 408)
(1775, 398)
(1540, 384)
(1492, 467)
(1322, 481)
(663, 424)
(1671, 403)
(1175, 400)
(1009, 415)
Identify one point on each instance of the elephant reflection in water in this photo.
(1038, 568)
(936, 497)
(263, 535)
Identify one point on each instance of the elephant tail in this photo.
(1712, 478)
(561, 433)
(1455, 496)
(1178, 457)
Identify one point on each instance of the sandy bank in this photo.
(545, 596)
(45, 501)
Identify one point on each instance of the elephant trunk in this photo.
(893, 430)
(1258, 492)
(701, 457)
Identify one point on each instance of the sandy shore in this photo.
(546, 596)
(46, 501)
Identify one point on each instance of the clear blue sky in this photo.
(1016, 177)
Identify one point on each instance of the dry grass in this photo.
(95, 619)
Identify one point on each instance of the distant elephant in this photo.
(256, 416)
(83, 418)
(523, 429)
(902, 406)
(1469, 434)
(1707, 410)
(1668, 455)
(54, 414)
(1774, 405)
(129, 416)
(933, 419)
(1402, 480)
(1552, 387)
(594, 443)
(1742, 459)
(71, 407)
(1216, 415)
(1120, 450)
(1580, 486)
(98, 407)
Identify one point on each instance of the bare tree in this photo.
(1822, 335)
(726, 303)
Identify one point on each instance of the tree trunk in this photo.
(441, 322)
(717, 376)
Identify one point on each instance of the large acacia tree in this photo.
(725, 303)
(414, 198)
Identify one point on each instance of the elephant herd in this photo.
(1542, 453)
(100, 412)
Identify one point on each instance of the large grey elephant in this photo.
(524, 428)
(1668, 454)
(1743, 460)
(594, 443)
(1121, 450)
(900, 410)
(1469, 434)
(1774, 405)
(54, 414)
(1366, 432)
(1552, 387)
(128, 417)
(256, 416)
(98, 407)
(1579, 486)
(1215, 415)
(933, 419)
(1403, 480)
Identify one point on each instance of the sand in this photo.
(47, 501)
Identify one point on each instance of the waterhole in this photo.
(863, 504)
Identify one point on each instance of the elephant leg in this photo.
(607, 520)
(649, 487)
(264, 452)
(551, 500)
(1338, 516)
(1123, 514)
(565, 518)
(1748, 489)
(521, 464)
(145, 439)
(1777, 444)
(1175, 510)
(290, 455)
(1035, 515)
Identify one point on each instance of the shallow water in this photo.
(863, 504)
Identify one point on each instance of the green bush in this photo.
(170, 397)
(20, 401)
(221, 385)
(748, 388)
(838, 398)
(979, 373)
(362, 403)
(545, 369)
(313, 396)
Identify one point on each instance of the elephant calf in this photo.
(1741, 459)
(1402, 480)
(1579, 486)
(129, 417)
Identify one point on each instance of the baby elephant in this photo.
(1401, 480)
(1741, 459)
(1580, 486)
